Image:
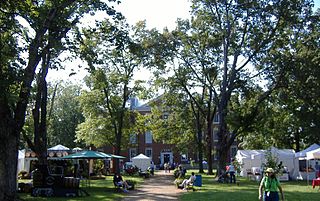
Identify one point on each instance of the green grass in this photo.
(103, 190)
(99, 190)
(247, 191)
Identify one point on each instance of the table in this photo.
(316, 182)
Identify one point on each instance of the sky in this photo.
(157, 13)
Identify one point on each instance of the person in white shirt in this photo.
(185, 182)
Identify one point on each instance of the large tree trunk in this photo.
(209, 147)
(200, 150)
(297, 140)
(222, 147)
(9, 156)
(11, 124)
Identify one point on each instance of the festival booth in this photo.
(141, 161)
(306, 166)
(314, 154)
(252, 161)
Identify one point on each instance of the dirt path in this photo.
(157, 188)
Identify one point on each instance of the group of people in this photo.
(269, 184)
(268, 189)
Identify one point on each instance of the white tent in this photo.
(59, 147)
(255, 158)
(249, 159)
(314, 154)
(302, 154)
(21, 157)
(141, 161)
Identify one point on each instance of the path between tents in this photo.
(156, 188)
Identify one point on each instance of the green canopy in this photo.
(89, 154)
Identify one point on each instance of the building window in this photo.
(133, 138)
(184, 157)
(132, 152)
(148, 137)
(148, 152)
(216, 118)
(215, 135)
(233, 151)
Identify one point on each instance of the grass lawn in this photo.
(99, 190)
(247, 191)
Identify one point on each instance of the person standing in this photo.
(232, 171)
(270, 184)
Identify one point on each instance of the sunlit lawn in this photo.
(101, 190)
(248, 190)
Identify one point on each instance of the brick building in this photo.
(161, 153)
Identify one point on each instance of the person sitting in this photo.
(186, 182)
(223, 177)
(119, 182)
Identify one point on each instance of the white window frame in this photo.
(133, 138)
(231, 148)
(182, 158)
(148, 149)
(132, 152)
(148, 137)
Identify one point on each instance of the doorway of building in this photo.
(166, 157)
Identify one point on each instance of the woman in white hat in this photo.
(270, 184)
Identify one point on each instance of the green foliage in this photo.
(65, 114)
(172, 122)
(272, 162)
(114, 56)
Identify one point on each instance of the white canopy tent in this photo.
(141, 161)
(255, 158)
(58, 147)
(21, 156)
(302, 154)
(314, 154)
(249, 159)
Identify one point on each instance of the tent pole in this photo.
(307, 172)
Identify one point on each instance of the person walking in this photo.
(270, 184)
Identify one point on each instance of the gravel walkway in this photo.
(157, 188)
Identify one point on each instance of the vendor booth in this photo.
(141, 161)
(306, 164)
(252, 161)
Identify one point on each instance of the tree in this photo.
(171, 121)
(226, 49)
(44, 17)
(65, 115)
(113, 57)
(291, 114)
